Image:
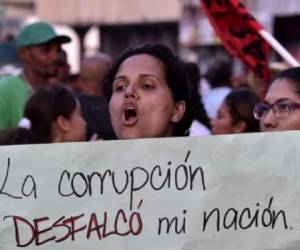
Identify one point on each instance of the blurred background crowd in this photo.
(89, 35)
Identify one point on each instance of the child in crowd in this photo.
(52, 114)
(235, 114)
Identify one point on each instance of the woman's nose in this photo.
(130, 92)
(269, 121)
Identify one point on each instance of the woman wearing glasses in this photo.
(280, 109)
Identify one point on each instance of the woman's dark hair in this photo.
(293, 75)
(197, 107)
(240, 103)
(42, 109)
(175, 77)
(219, 73)
(16, 136)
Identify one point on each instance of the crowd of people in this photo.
(146, 92)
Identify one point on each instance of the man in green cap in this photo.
(39, 49)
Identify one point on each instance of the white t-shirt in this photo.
(213, 100)
(198, 129)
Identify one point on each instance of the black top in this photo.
(95, 112)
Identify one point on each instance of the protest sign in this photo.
(217, 192)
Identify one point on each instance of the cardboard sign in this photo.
(217, 192)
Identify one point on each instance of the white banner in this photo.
(218, 192)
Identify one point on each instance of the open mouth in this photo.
(129, 115)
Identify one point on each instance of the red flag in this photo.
(239, 32)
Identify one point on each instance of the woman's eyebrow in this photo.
(151, 76)
(278, 100)
(120, 77)
(284, 99)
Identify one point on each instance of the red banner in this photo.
(238, 30)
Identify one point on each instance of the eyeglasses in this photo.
(281, 109)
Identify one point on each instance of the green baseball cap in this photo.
(39, 33)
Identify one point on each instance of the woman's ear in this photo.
(63, 123)
(240, 127)
(178, 111)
